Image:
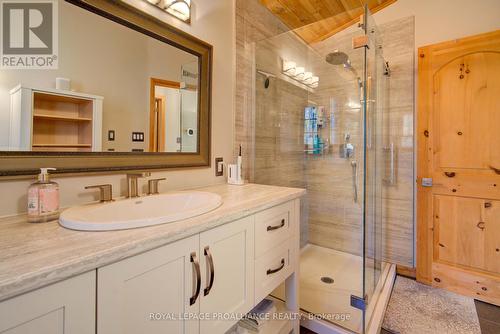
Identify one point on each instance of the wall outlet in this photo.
(219, 167)
(111, 135)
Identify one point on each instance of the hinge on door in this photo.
(358, 302)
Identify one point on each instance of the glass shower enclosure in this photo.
(319, 124)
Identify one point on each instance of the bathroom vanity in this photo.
(191, 276)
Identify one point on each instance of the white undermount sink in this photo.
(139, 212)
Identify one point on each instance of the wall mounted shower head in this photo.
(267, 75)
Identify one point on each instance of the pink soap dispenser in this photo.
(43, 199)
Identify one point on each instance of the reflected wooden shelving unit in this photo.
(55, 120)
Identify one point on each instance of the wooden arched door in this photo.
(458, 192)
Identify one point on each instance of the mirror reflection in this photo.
(116, 90)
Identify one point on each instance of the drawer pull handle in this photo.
(272, 271)
(480, 226)
(272, 228)
(192, 300)
(207, 253)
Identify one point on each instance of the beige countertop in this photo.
(35, 255)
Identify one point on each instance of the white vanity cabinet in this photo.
(201, 284)
(155, 292)
(64, 307)
(150, 292)
(229, 248)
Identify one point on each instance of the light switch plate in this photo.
(219, 167)
(111, 135)
(138, 136)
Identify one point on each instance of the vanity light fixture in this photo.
(289, 67)
(307, 77)
(181, 9)
(299, 73)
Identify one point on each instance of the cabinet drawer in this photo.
(272, 268)
(272, 227)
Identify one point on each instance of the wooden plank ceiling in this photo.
(316, 20)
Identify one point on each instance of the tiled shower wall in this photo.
(270, 130)
(398, 201)
(277, 161)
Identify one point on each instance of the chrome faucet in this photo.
(133, 183)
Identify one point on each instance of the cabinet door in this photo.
(151, 292)
(64, 307)
(231, 248)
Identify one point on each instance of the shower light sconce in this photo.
(299, 73)
(180, 9)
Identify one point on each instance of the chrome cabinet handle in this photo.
(192, 300)
(272, 228)
(272, 271)
(206, 291)
(354, 166)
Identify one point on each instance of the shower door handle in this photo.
(354, 166)
(391, 179)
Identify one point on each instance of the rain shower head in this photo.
(338, 58)
(341, 58)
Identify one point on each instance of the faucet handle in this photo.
(106, 192)
(153, 186)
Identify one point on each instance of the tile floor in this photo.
(489, 317)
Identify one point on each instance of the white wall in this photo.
(213, 22)
(441, 20)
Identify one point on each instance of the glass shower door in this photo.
(377, 156)
(329, 139)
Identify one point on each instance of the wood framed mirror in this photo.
(130, 92)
